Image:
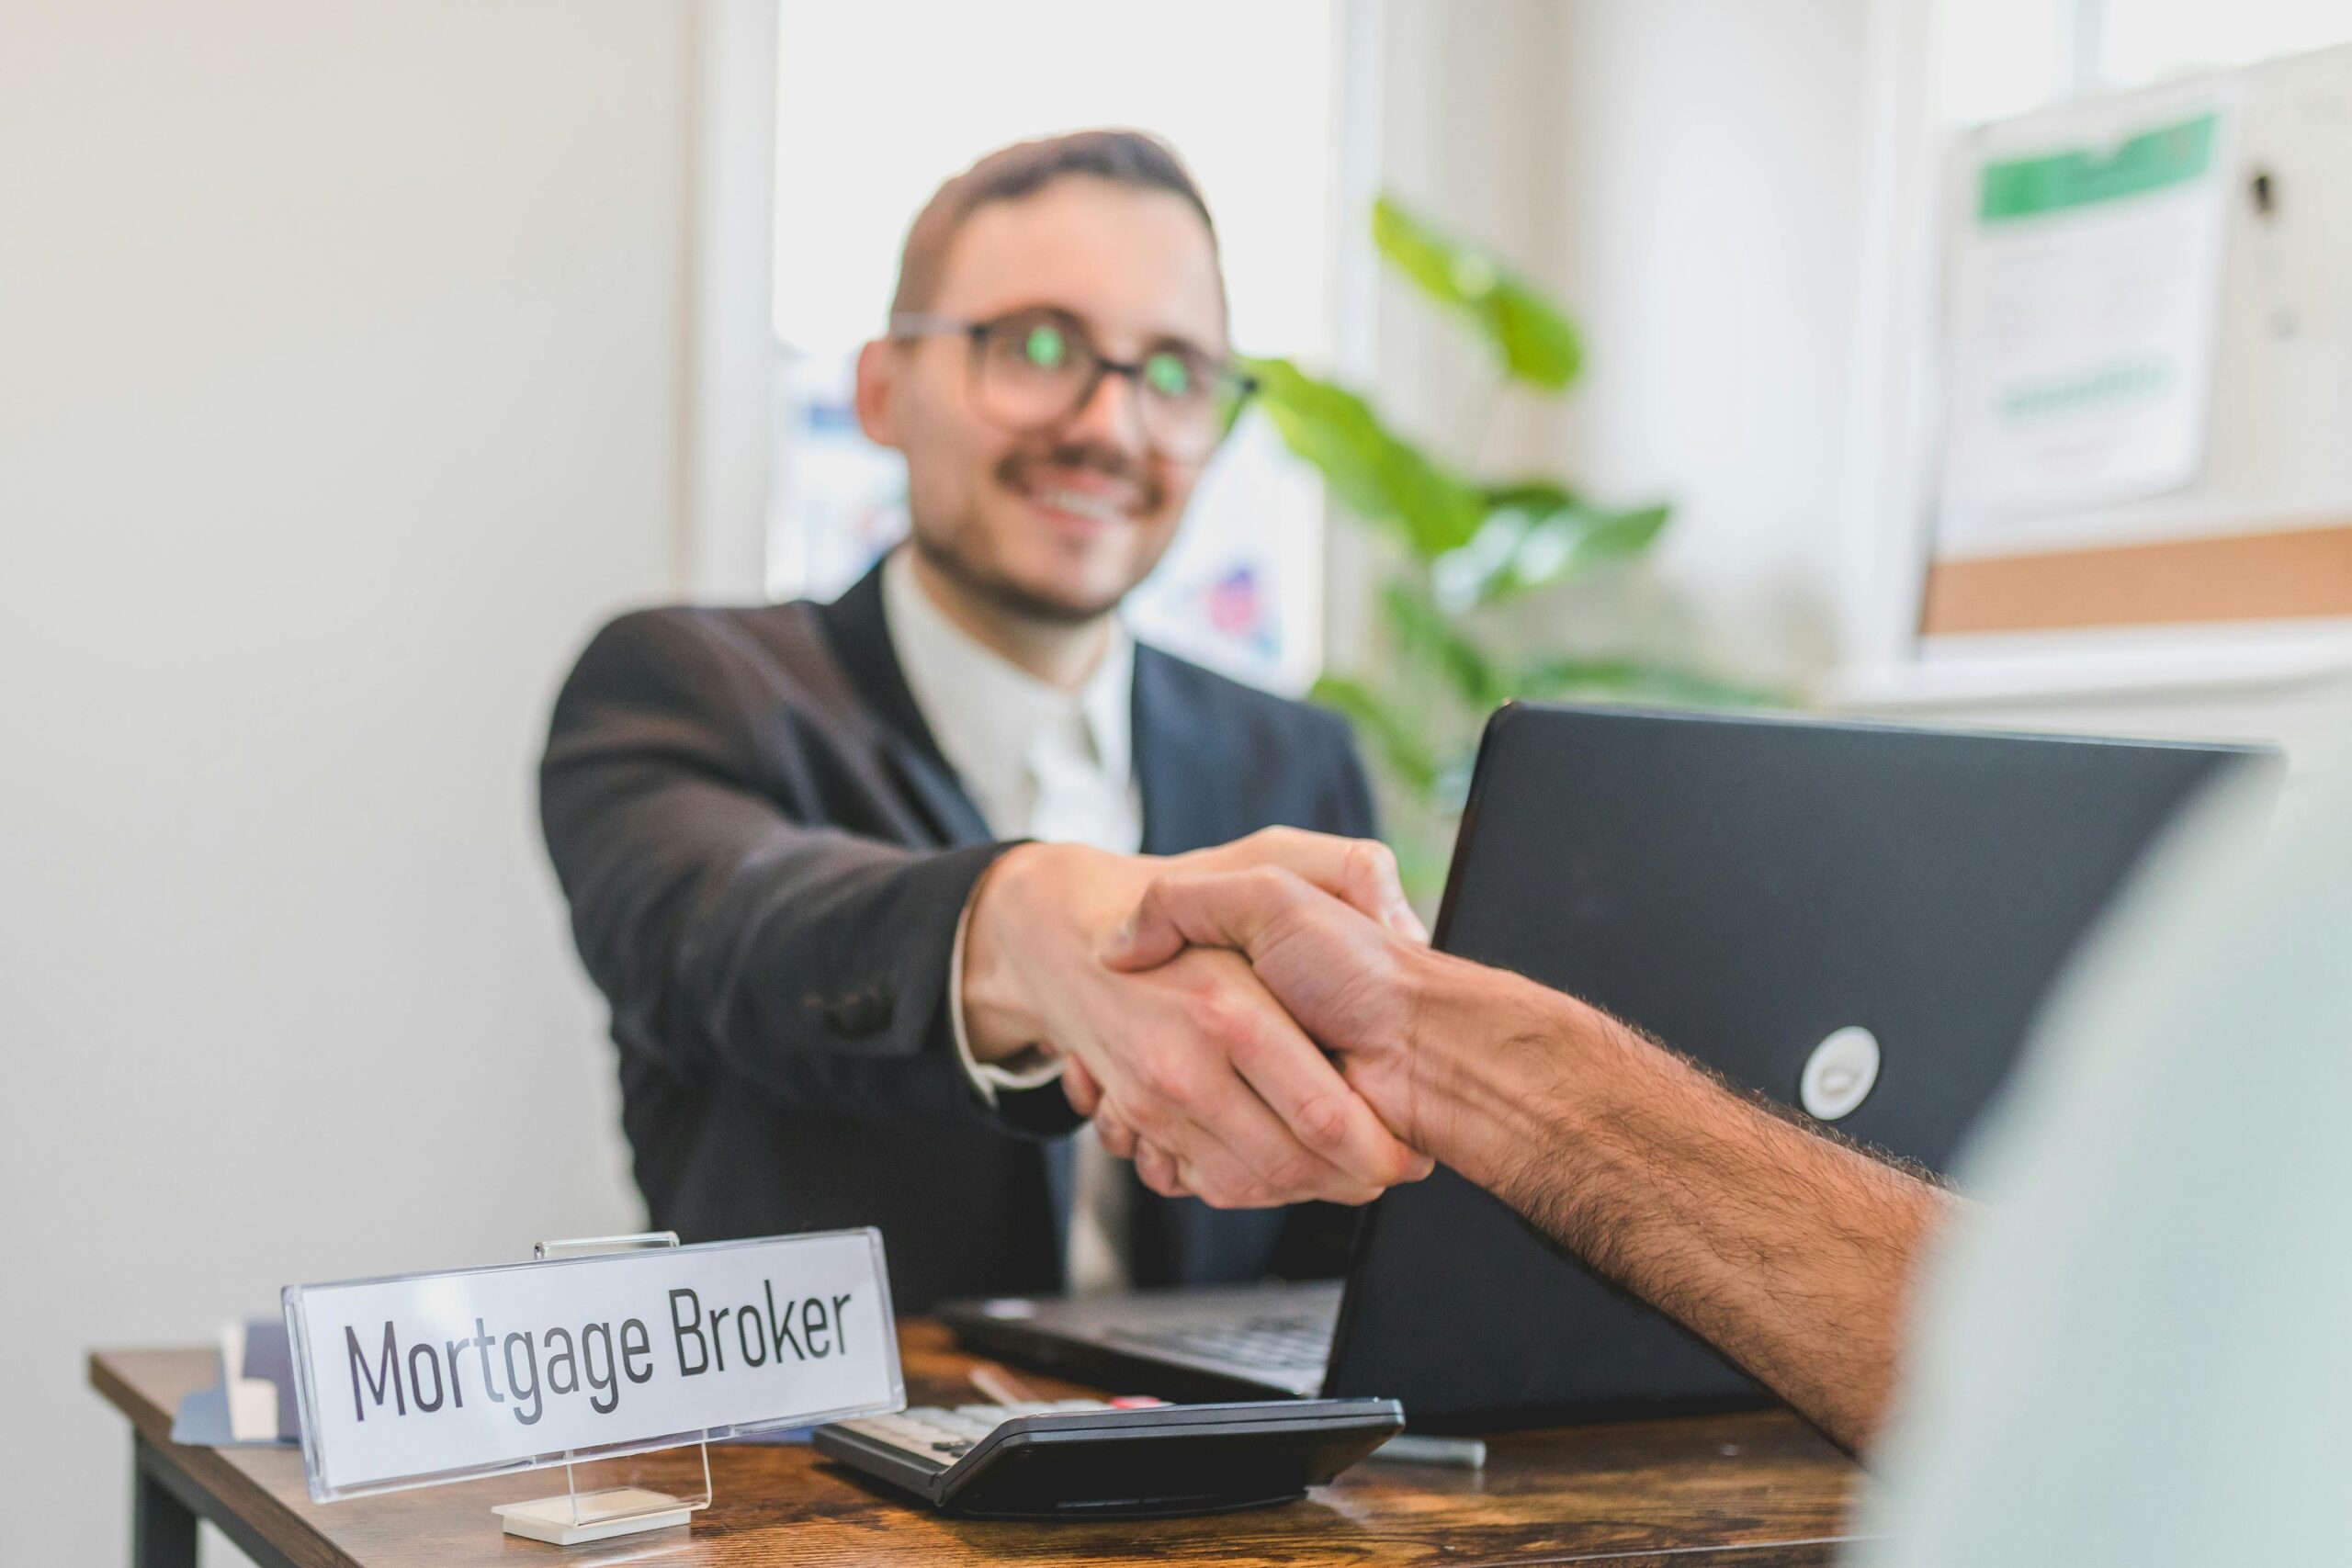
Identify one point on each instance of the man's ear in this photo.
(878, 365)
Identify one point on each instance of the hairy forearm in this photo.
(1789, 1251)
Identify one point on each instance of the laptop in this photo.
(1857, 920)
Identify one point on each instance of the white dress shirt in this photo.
(1040, 762)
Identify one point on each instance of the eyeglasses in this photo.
(1032, 369)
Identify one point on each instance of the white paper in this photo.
(449, 1374)
(2081, 339)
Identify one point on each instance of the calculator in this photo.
(1084, 1459)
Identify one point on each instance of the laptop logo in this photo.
(1840, 1074)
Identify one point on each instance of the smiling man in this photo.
(842, 870)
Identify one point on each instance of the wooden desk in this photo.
(1751, 1490)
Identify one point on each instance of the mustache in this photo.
(1017, 468)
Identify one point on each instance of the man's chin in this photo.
(1056, 603)
(1061, 580)
(1051, 597)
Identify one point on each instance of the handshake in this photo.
(1192, 1001)
(1264, 1023)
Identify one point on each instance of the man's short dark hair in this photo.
(1128, 158)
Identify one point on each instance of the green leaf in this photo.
(1426, 636)
(1535, 498)
(1576, 539)
(1400, 746)
(1622, 677)
(1422, 866)
(1538, 343)
(1539, 533)
(1372, 472)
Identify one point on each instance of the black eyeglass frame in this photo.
(1235, 386)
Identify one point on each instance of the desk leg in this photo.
(162, 1529)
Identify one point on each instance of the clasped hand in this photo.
(1214, 1083)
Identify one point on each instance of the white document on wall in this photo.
(2085, 294)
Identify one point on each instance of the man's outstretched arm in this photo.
(1789, 1251)
(736, 929)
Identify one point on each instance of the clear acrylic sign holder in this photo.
(667, 1487)
(576, 1517)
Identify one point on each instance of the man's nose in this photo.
(1112, 416)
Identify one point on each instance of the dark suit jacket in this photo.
(766, 856)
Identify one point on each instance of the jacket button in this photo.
(861, 1012)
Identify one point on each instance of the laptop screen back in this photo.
(1745, 889)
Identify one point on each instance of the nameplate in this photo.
(428, 1378)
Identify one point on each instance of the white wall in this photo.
(340, 381)
(1711, 154)
(1685, 176)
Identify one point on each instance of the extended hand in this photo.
(1347, 980)
(1788, 1251)
(1240, 1108)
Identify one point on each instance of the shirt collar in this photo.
(985, 711)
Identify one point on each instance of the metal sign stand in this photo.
(577, 1516)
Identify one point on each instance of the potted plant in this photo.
(1463, 548)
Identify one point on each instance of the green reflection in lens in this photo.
(1046, 347)
(1168, 374)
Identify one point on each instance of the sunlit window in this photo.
(2001, 57)
(1997, 58)
(879, 102)
(2148, 40)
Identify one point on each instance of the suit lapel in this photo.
(1183, 771)
(1181, 767)
(859, 628)
(1181, 762)
(861, 636)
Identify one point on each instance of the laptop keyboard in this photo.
(1274, 1344)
